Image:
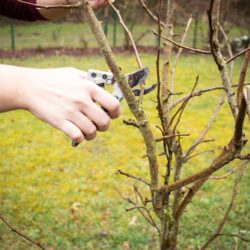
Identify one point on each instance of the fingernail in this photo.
(74, 144)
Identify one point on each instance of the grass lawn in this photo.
(42, 177)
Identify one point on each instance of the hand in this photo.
(64, 99)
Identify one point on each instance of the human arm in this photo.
(60, 12)
(60, 97)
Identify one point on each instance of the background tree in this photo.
(167, 198)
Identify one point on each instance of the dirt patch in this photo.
(76, 52)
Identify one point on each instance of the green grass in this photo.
(42, 176)
(40, 35)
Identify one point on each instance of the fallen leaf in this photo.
(126, 245)
(75, 207)
(103, 233)
(133, 221)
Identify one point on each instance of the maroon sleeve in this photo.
(20, 11)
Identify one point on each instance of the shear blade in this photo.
(146, 90)
(137, 77)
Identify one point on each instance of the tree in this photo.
(170, 198)
(170, 210)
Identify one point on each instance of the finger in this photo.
(99, 117)
(82, 74)
(72, 131)
(109, 102)
(85, 125)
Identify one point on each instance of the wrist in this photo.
(14, 87)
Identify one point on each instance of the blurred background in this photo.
(64, 197)
(72, 31)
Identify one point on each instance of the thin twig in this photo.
(229, 50)
(226, 175)
(242, 79)
(151, 13)
(147, 210)
(235, 235)
(206, 129)
(152, 223)
(159, 106)
(134, 177)
(205, 151)
(244, 157)
(131, 122)
(123, 197)
(134, 47)
(237, 55)
(182, 46)
(21, 234)
(185, 104)
(222, 223)
(200, 92)
(132, 208)
(129, 35)
(169, 136)
(139, 194)
(178, 55)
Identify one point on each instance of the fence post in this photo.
(115, 29)
(106, 21)
(12, 34)
(195, 29)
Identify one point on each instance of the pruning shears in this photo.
(102, 78)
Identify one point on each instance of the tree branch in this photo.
(242, 78)
(213, 18)
(134, 177)
(205, 151)
(21, 234)
(237, 55)
(148, 219)
(200, 92)
(235, 235)
(131, 122)
(224, 176)
(129, 35)
(221, 225)
(206, 129)
(169, 136)
(229, 50)
(181, 109)
(178, 55)
(184, 47)
(150, 13)
(127, 92)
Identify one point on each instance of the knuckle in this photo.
(90, 134)
(115, 106)
(82, 102)
(69, 111)
(104, 124)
